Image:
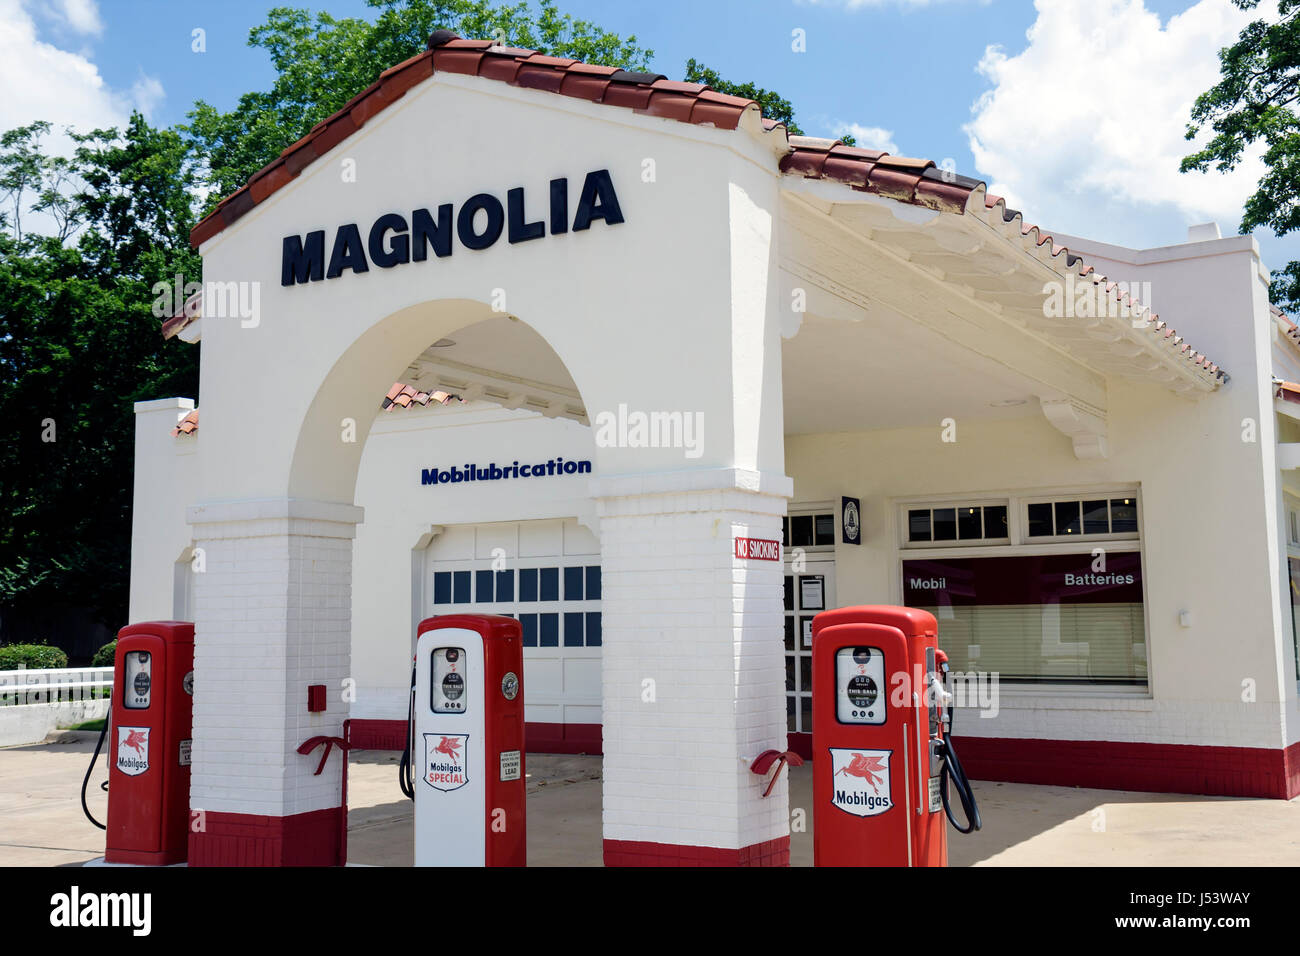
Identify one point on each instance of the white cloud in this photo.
(1084, 128)
(146, 93)
(81, 16)
(42, 81)
(869, 137)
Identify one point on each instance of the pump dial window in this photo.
(448, 688)
(859, 678)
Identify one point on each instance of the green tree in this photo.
(321, 62)
(79, 344)
(1254, 101)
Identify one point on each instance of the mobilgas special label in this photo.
(860, 781)
(446, 764)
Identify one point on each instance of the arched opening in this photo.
(465, 389)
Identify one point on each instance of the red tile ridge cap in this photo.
(647, 93)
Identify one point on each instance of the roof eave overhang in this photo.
(1000, 264)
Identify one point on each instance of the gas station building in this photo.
(551, 340)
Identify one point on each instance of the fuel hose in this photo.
(405, 769)
(85, 781)
(952, 770)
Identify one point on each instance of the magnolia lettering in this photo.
(394, 239)
(495, 472)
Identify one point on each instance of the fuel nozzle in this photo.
(941, 661)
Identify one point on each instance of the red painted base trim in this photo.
(538, 737)
(563, 738)
(1152, 768)
(636, 853)
(144, 858)
(246, 839)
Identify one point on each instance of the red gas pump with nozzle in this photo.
(149, 731)
(883, 760)
(464, 760)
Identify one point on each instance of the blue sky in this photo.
(1073, 109)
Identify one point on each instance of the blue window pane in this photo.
(460, 582)
(528, 584)
(505, 585)
(593, 629)
(593, 582)
(550, 636)
(529, 624)
(573, 584)
(442, 587)
(483, 587)
(550, 584)
(572, 630)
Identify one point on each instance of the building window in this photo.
(955, 524)
(1293, 575)
(1012, 597)
(1037, 618)
(546, 617)
(1077, 517)
(813, 530)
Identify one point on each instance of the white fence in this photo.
(34, 702)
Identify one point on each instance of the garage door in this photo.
(546, 574)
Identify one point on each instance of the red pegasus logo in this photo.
(865, 767)
(135, 739)
(449, 746)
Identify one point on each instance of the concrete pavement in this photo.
(41, 823)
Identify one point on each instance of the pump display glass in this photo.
(137, 676)
(447, 684)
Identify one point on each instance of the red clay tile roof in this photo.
(648, 93)
(404, 396)
(187, 425)
(1292, 330)
(399, 396)
(921, 183)
(914, 181)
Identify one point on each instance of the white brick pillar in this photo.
(273, 608)
(692, 668)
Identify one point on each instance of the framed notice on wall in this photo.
(812, 592)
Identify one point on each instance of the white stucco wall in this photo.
(166, 474)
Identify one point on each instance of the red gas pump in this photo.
(149, 753)
(464, 760)
(882, 760)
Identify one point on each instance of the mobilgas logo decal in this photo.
(394, 240)
(446, 764)
(133, 750)
(860, 781)
(494, 472)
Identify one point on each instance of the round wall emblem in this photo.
(510, 685)
(852, 523)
